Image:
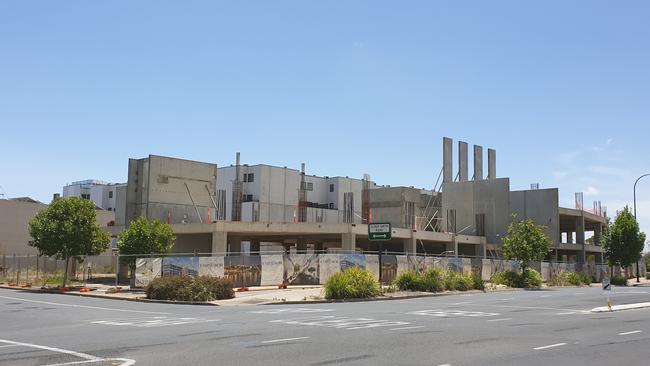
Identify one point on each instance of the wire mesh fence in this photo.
(262, 268)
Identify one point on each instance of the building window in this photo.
(247, 197)
(251, 178)
(331, 187)
(331, 205)
(85, 196)
(310, 186)
(244, 178)
(110, 194)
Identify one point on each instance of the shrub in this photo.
(507, 278)
(458, 281)
(433, 280)
(187, 288)
(571, 278)
(647, 275)
(409, 281)
(530, 278)
(478, 283)
(354, 282)
(618, 281)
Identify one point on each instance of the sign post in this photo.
(607, 287)
(379, 231)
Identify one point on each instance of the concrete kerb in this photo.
(605, 309)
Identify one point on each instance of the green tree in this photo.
(66, 229)
(143, 237)
(525, 242)
(623, 241)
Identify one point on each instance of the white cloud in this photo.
(609, 141)
(591, 191)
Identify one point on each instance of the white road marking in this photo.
(8, 345)
(446, 364)
(538, 308)
(82, 306)
(566, 313)
(632, 332)
(549, 346)
(405, 328)
(499, 320)
(87, 358)
(545, 296)
(291, 310)
(284, 340)
(453, 313)
(331, 321)
(462, 303)
(157, 321)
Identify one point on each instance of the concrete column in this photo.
(301, 245)
(569, 237)
(348, 241)
(462, 161)
(447, 162)
(482, 248)
(255, 246)
(219, 242)
(598, 231)
(452, 247)
(478, 162)
(235, 245)
(492, 164)
(411, 245)
(580, 230)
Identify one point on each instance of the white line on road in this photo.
(462, 303)
(88, 358)
(405, 328)
(284, 340)
(632, 332)
(81, 306)
(499, 320)
(545, 296)
(8, 345)
(549, 346)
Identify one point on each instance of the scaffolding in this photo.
(302, 196)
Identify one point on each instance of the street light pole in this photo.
(637, 181)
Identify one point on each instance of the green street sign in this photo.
(379, 231)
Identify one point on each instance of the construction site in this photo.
(260, 208)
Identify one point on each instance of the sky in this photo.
(561, 89)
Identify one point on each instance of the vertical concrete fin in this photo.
(492, 164)
(478, 162)
(447, 162)
(462, 161)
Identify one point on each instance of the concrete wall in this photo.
(489, 197)
(158, 189)
(14, 220)
(542, 206)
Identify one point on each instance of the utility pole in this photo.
(637, 222)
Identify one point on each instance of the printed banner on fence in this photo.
(301, 269)
(328, 265)
(243, 271)
(272, 270)
(372, 265)
(180, 266)
(211, 266)
(146, 269)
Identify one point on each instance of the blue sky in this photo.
(560, 89)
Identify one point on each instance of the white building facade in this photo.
(103, 194)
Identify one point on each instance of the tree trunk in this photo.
(65, 271)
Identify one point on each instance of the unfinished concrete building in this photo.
(259, 208)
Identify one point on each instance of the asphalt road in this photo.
(553, 327)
